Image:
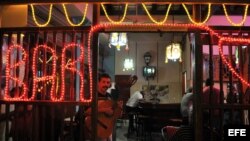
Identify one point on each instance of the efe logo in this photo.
(236, 132)
(241, 132)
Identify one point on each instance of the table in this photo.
(155, 116)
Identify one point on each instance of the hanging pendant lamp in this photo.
(173, 52)
(118, 40)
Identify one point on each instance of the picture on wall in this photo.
(154, 91)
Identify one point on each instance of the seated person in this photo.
(186, 131)
(212, 94)
(187, 107)
(132, 106)
(215, 94)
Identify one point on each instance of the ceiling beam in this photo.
(12, 2)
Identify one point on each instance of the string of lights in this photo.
(67, 15)
(230, 21)
(192, 26)
(224, 60)
(34, 16)
(190, 18)
(14, 78)
(70, 65)
(152, 19)
(37, 79)
(112, 21)
(146, 10)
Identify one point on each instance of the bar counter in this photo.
(154, 116)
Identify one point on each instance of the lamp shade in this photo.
(173, 52)
(118, 40)
(128, 64)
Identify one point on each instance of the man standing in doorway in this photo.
(106, 108)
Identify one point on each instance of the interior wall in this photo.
(106, 56)
(1, 9)
(109, 63)
(187, 66)
(14, 16)
(167, 74)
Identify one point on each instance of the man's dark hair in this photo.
(209, 82)
(103, 75)
(142, 92)
(190, 89)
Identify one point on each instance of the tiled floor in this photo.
(122, 129)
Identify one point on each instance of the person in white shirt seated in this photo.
(132, 107)
(187, 107)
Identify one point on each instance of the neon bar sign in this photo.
(71, 66)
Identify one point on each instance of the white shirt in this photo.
(186, 102)
(134, 99)
(112, 87)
